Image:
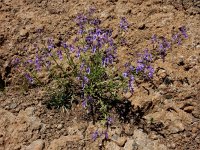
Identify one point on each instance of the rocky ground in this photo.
(169, 112)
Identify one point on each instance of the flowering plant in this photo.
(87, 69)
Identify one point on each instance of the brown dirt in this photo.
(170, 112)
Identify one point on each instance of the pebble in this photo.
(18, 147)
(23, 33)
(36, 145)
(171, 145)
(189, 109)
(198, 126)
(128, 131)
(181, 61)
(162, 74)
(1, 141)
(197, 139)
(141, 26)
(194, 130)
(153, 136)
(13, 106)
(60, 126)
(120, 141)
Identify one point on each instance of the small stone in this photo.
(153, 136)
(13, 106)
(23, 33)
(48, 126)
(189, 109)
(198, 126)
(176, 127)
(197, 139)
(162, 74)
(17, 147)
(112, 145)
(128, 130)
(60, 126)
(1, 141)
(181, 61)
(36, 145)
(131, 144)
(142, 26)
(193, 60)
(171, 145)
(194, 130)
(196, 113)
(168, 96)
(120, 141)
(61, 142)
(127, 95)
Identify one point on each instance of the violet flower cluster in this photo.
(90, 59)
(163, 44)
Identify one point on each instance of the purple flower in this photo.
(88, 70)
(179, 41)
(91, 10)
(140, 67)
(71, 48)
(174, 37)
(76, 39)
(48, 64)
(85, 81)
(154, 38)
(165, 43)
(111, 42)
(95, 135)
(90, 99)
(150, 71)
(82, 65)
(131, 68)
(29, 78)
(183, 31)
(78, 54)
(81, 20)
(95, 22)
(124, 24)
(99, 32)
(30, 61)
(84, 103)
(37, 63)
(109, 121)
(16, 62)
(64, 45)
(131, 88)
(126, 64)
(94, 48)
(59, 53)
(106, 134)
(50, 44)
(105, 61)
(81, 30)
(125, 74)
(163, 46)
(85, 48)
(132, 78)
(89, 40)
(147, 56)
